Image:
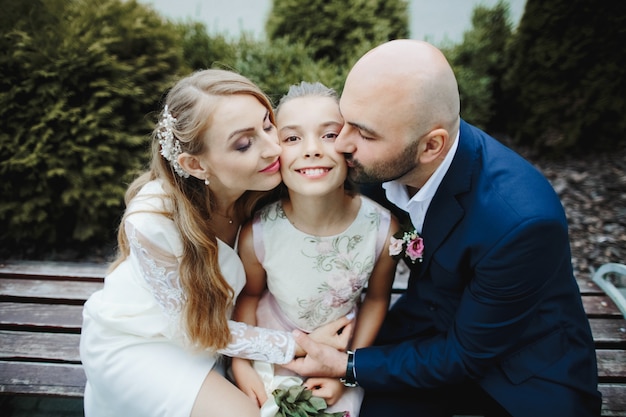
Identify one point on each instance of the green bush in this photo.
(479, 65)
(566, 80)
(339, 31)
(202, 51)
(79, 78)
(277, 65)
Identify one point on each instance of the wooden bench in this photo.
(608, 325)
(40, 321)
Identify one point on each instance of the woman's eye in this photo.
(268, 128)
(243, 146)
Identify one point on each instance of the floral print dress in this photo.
(317, 279)
(313, 280)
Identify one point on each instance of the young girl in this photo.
(152, 338)
(315, 251)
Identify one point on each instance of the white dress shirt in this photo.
(418, 205)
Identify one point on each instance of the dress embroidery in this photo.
(332, 271)
(339, 257)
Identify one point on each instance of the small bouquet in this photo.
(407, 244)
(297, 401)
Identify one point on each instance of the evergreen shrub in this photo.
(79, 78)
(566, 81)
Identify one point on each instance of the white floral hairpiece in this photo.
(170, 146)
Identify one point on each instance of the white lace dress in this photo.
(133, 347)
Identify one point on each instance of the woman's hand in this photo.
(336, 334)
(330, 389)
(249, 381)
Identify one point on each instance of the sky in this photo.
(433, 20)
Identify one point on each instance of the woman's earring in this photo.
(206, 181)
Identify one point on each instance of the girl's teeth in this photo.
(317, 171)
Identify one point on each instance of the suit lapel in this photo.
(445, 210)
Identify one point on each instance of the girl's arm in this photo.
(246, 377)
(248, 299)
(374, 307)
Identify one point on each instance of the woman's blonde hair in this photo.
(208, 296)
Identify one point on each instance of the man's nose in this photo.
(344, 142)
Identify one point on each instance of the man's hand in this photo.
(336, 334)
(320, 359)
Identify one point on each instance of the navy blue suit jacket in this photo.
(495, 299)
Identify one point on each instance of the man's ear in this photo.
(434, 145)
(192, 165)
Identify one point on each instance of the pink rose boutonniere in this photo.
(409, 244)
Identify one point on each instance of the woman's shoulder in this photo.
(151, 198)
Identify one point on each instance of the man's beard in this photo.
(384, 171)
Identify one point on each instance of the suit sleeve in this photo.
(499, 304)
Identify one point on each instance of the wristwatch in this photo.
(349, 380)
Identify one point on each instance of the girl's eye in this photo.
(269, 127)
(330, 137)
(289, 139)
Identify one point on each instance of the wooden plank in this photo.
(611, 365)
(613, 399)
(59, 317)
(72, 292)
(609, 330)
(600, 306)
(66, 380)
(55, 347)
(45, 269)
(588, 287)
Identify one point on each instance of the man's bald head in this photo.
(413, 73)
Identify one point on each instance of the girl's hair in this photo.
(208, 296)
(306, 89)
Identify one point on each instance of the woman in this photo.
(153, 337)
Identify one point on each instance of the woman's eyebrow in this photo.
(247, 129)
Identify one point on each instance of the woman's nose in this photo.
(271, 147)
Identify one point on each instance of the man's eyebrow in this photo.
(363, 128)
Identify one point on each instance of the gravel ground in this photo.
(592, 189)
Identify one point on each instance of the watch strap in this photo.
(349, 379)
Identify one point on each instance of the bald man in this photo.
(492, 320)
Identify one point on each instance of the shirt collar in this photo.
(417, 205)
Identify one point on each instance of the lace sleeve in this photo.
(159, 269)
(256, 343)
